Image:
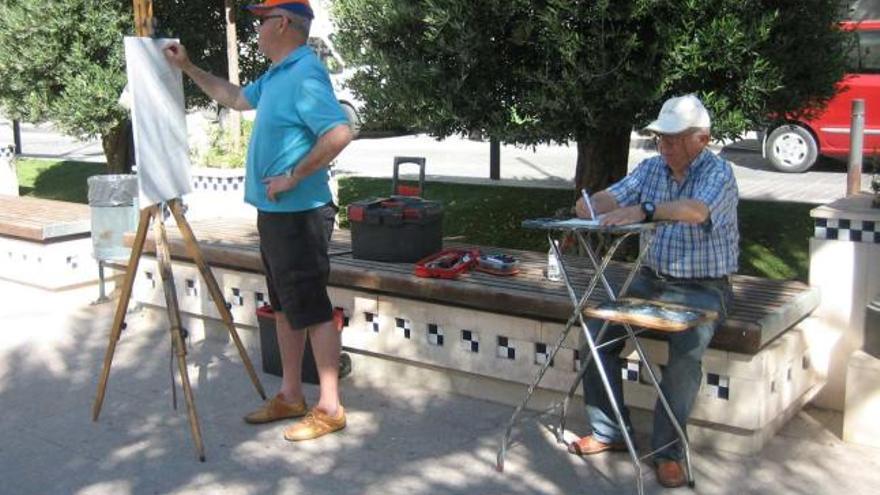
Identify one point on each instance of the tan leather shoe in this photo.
(275, 409)
(317, 423)
(588, 445)
(670, 474)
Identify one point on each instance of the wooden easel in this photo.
(143, 23)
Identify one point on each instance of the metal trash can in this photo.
(113, 202)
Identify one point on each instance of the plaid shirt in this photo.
(683, 250)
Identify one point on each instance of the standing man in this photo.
(689, 263)
(299, 129)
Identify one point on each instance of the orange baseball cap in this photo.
(298, 7)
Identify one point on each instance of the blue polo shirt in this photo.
(295, 106)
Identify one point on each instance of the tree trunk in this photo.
(602, 158)
(119, 148)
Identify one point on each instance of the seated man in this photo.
(688, 263)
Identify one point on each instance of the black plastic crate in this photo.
(271, 357)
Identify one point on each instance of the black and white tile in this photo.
(404, 327)
(372, 320)
(542, 354)
(505, 348)
(718, 386)
(260, 299)
(630, 370)
(192, 289)
(847, 230)
(236, 299)
(435, 334)
(218, 184)
(470, 341)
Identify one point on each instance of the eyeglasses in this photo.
(671, 139)
(267, 17)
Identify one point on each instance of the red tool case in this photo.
(449, 263)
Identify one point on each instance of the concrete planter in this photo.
(217, 192)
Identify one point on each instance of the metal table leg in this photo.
(594, 346)
(575, 317)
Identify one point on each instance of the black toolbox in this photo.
(401, 229)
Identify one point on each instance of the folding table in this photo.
(624, 311)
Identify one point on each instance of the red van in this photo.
(795, 145)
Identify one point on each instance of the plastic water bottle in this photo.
(553, 271)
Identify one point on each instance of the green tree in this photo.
(63, 61)
(533, 71)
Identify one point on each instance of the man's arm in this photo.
(328, 146)
(219, 89)
(684, 210)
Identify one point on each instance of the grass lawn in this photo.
(774, 236)
(774, 244)
(53, 179)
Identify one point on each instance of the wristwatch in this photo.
(648, 208)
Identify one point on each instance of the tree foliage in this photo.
(533, 71)
(63, 61)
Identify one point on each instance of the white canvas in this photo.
(159, 122)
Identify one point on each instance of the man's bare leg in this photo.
(291, 344)
(326, 342)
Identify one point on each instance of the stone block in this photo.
(860, 424)
(52, 266)
(550, 332)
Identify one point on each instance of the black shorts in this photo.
(293, 246)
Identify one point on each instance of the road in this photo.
(464, 160)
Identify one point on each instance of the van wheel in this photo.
(354, 119)
(791, 148)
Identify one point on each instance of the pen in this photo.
(588, 204)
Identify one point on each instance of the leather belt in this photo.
(662, 276)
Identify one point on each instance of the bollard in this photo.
(856, 145)
(16, 136)
(494, 159)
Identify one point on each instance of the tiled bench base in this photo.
(743, 400)
(54, 265)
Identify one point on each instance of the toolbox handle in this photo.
(396, 188)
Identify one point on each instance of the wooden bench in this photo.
(45, 242)
(42, 220)
(485, 333)
(761, 311)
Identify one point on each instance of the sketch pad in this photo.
(583, 224)
(655, 315)
(158, 122)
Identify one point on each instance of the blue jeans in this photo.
(683, 373)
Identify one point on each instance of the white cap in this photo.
(680, 114)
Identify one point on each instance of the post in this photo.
(856, 145)
(494, 159)
(233, 121)
(143, 17)
(16, 136)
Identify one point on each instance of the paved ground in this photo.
(399, 441)
(457, 159)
